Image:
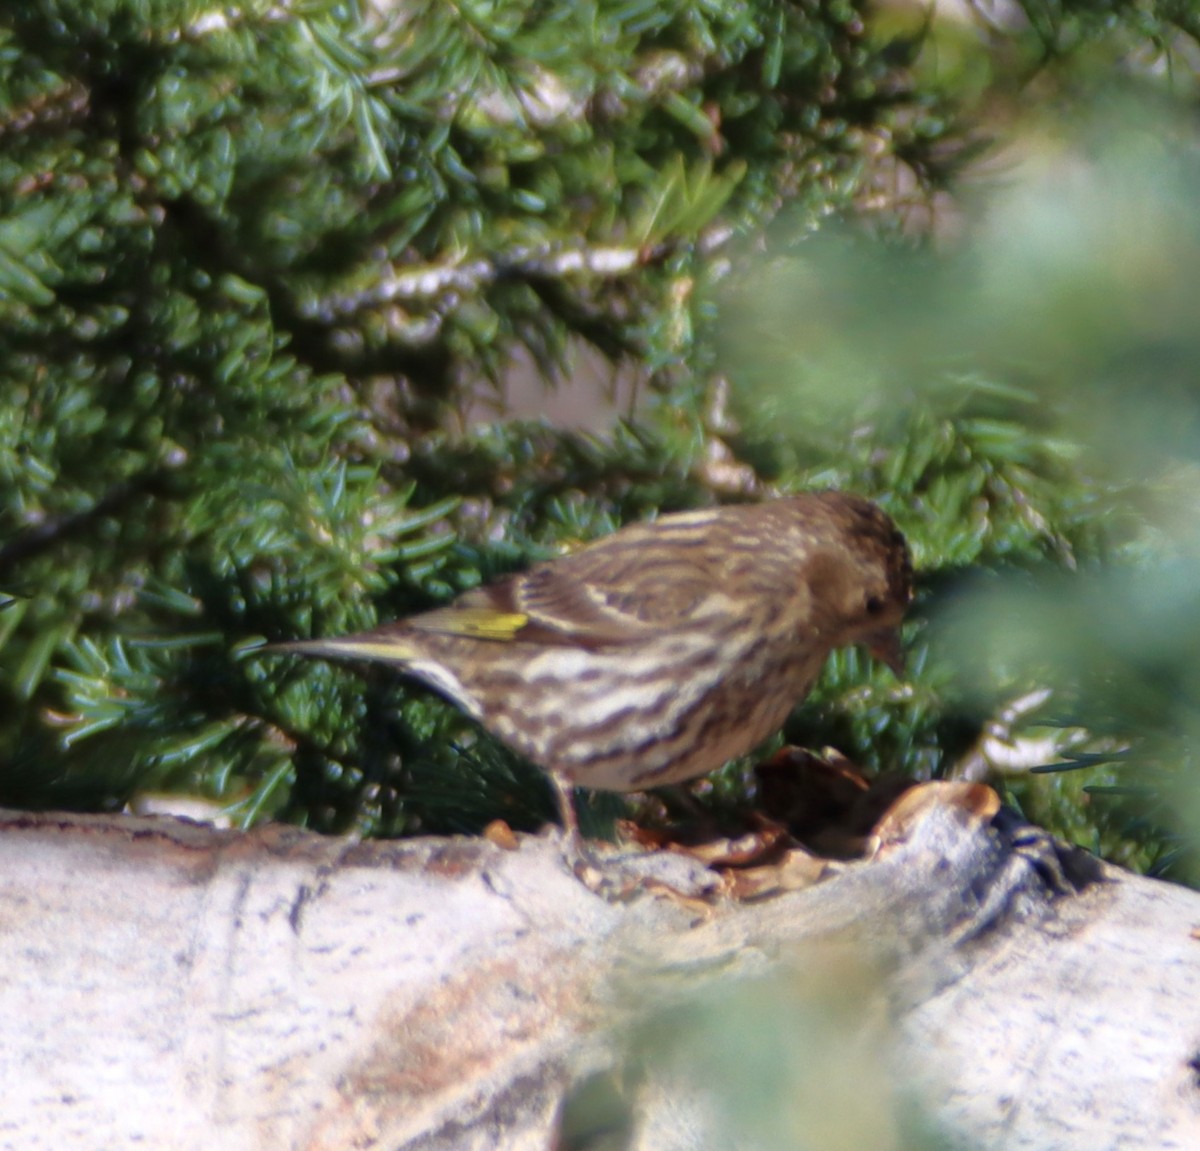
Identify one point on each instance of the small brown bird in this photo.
(660, 652)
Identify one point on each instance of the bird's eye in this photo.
(874, 605)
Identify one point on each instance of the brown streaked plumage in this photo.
(658, 653)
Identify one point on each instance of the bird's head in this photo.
(863, 576)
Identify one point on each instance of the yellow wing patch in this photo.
(474, 623)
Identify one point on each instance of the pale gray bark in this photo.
(170, 986)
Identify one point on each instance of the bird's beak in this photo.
(884, 645)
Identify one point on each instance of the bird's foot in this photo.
(603, 877)
(621, 876)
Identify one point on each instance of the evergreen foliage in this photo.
(257, 262)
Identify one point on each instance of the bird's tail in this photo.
(376, 646)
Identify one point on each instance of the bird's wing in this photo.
(588, 600)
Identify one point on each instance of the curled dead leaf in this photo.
(977, 800)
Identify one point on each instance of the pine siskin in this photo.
(660, 652)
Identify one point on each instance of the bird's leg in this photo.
(579, 857)
(564, 795)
